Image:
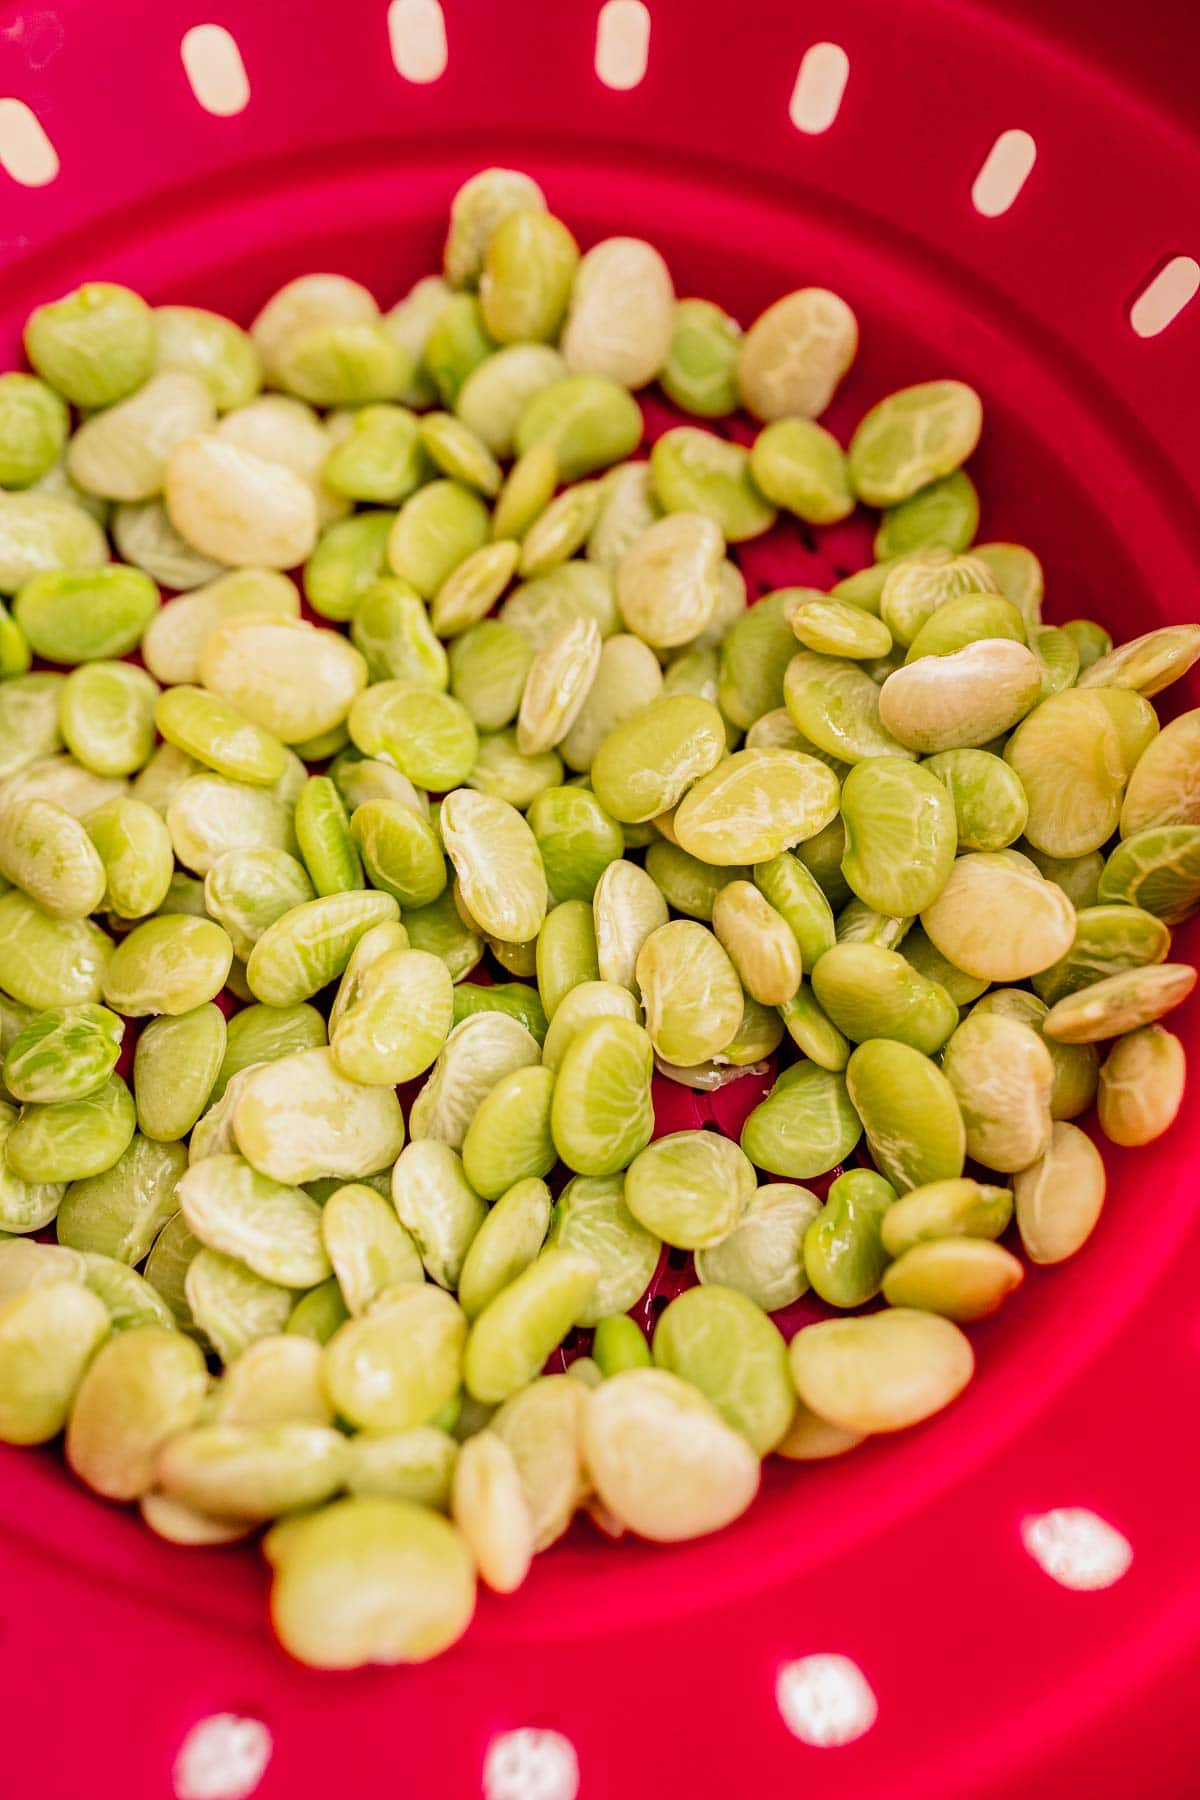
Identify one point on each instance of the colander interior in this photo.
(916, 1559)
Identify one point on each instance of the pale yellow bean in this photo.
(880, 1372)
(663, 1459)
(1059, 1199)
(488, 1504)
(1141, 1086)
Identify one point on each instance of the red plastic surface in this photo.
(660, 1665)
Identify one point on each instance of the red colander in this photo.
(1006, 1601)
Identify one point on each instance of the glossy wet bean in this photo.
(873, 992)
(68, 1140)
(477, 1053)
(48, 854)
(668, 581)
(960, 700)
(107, 716)
(722, 1344)
(1163, 788)
(300, 1118)
(1002, 1075)
(799, 465)
(961, 1278)
(759, 941)
(417, 1464)
(763, 1256)
(694, 471)
(957, 1207)
(804, 1127)
(913, 437)
(513, 1335)
(50, 962)
(509, 1137)
(399, 1363)
(260, 1033)
(966, 619)
(901, 835)
(273, 1228)
(495, 856)
(835, 703)
(134, 845)
(438, 1207)
(1120, 1003)
(120, 1212)
(998, 920)
(1108, 940)
(295, 680)
(1158, 870)
(690, 1188)
(844, 1256)
(754, 805)
(589, 421)
(557, 685)
(909, 1112)
(1148, 663)
(252, 1471)
(310, 945)
(506, 1242)
(566, 954)
(836, 628)
(690, 990)
(171, 964)
(591, 1217)
(64, 1053)
(943, 513)
(232, 1306)
(25, 1206)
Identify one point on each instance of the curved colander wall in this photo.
(1008, 1598)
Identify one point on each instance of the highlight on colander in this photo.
(599, 852)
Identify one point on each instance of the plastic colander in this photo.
(1007, 1600)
